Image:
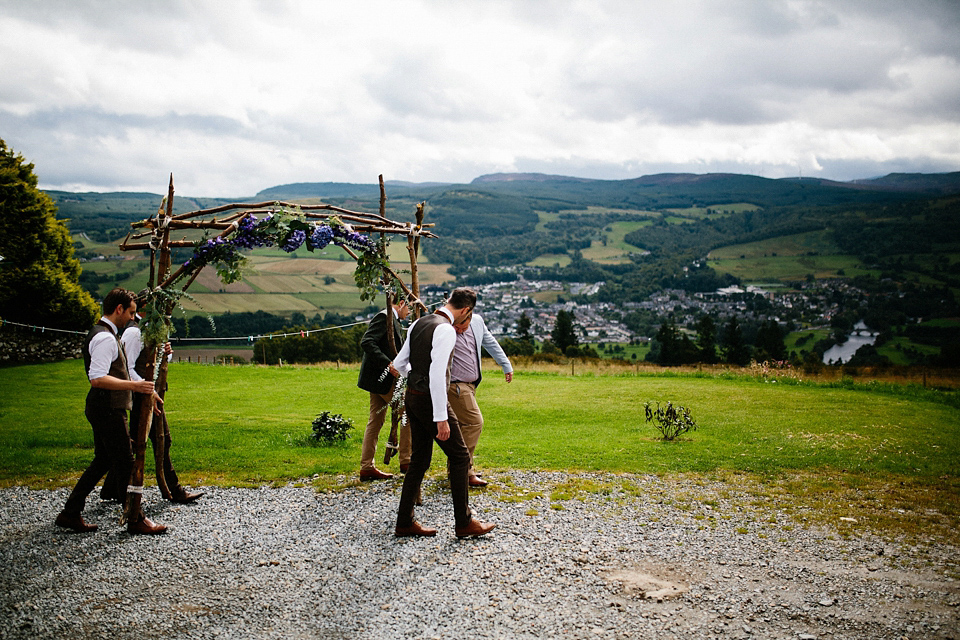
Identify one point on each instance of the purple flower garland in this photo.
(252, 233)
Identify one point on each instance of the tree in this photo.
(732, 346)
(675, 346)
(523, 328)
(707, 340)
(770, 345)
(563, 334)
(39, 276)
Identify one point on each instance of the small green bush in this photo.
(329, 428)
(670, 420)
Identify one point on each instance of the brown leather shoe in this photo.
(415, 529)
(74, 522)
(476, 481)
(146, 527)
(374, 474)
(183, 496)
(475, 528)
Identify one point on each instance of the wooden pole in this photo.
(144, 422)
(135, 489)
(413, 248)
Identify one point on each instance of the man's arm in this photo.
(493, 347)
(401, 364)
(444, 339)
(104, 350)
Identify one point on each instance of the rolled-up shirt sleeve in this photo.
(132, 346)
(103, 351)
(444, 339)
(402, 362)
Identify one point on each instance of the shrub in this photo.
(330, 428)
(670, 420)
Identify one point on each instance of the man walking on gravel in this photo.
(425, 361)
(107, 405)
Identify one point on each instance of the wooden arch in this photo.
(225, 221)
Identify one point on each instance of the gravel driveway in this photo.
(630, 557)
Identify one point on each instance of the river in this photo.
(843, 352)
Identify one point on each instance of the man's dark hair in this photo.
(143, 297)
(463, 297)
(117, 297)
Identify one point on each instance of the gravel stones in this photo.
(635, 558)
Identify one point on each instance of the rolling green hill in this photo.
(637, 235)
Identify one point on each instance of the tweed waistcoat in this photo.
(421, 347)
(103, 398)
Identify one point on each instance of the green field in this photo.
(275, 282)
(248, 424)
(714, 211)
(786, 258)
(612, 249)
(815, 452)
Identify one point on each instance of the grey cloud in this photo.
(97, 122)
(757, 74)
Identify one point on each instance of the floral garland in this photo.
(290, 232)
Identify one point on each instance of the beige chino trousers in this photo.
(462, 397)
(378, 414)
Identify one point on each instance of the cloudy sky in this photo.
(233, 96)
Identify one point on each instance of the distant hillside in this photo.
(677, 217)
(686, 190)
(926, 183)
(319, 190)
(527, 177)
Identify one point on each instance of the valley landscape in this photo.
(811, 255)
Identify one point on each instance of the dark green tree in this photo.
(564, 335)
(732, 346)
(675, 346)
(707, 340)
(39, 276)
(769, 343)
(523, 328)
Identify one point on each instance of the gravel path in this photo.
(633, 557)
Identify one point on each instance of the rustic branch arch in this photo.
(227, 229)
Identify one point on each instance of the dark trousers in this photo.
(115, 488)
(423, 432)
(111, 452)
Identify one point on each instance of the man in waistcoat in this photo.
(425, 361)
(108, 402)
(376, 358)
(137, 361)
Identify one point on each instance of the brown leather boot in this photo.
(76, 523)
(146, 526)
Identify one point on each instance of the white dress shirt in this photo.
(444, 339)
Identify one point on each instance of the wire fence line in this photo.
(248, 338)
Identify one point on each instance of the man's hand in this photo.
(157, 403)
(508, 376)
(393, 370)
(443, 430)
(167, 349)
(143, 386)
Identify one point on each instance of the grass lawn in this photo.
(249, 424)
(887, 453)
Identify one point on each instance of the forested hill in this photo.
(637, 235)
(111, 213)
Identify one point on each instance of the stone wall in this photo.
(26, 346)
